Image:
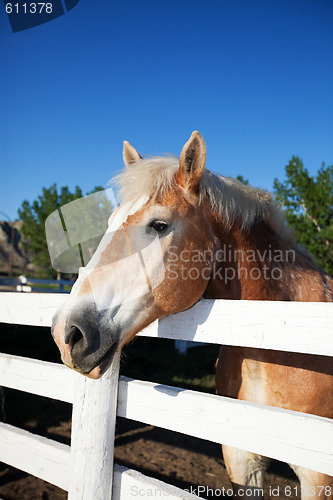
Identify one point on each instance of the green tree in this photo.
(308, 203)
(241, 179)
(33, 217)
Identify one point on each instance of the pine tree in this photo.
(308, 203)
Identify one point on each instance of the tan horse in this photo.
(182, 233)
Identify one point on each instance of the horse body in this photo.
(206, 237)
(293, 381)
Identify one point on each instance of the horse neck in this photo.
(258, 264)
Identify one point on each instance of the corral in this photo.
(85, 468)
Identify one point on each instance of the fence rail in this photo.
(23, 284)
(293, 437)
(304, 327)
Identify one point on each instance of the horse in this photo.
(182, 233)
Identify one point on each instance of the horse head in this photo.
(143, 267)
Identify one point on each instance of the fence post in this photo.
(93, 435)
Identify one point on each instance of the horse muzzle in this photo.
(87, 340)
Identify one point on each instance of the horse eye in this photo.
(159, 225)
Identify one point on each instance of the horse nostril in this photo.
(73, 336)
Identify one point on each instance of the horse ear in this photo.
(130, 154)
(192, 162)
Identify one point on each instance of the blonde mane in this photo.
(230, 198)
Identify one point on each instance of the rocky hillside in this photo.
(12, 250)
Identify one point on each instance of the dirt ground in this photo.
(174, 458)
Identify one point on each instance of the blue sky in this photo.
(254, 77)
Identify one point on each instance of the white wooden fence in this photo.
(86, 468)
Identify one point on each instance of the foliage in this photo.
(33, 217)
(241, 179)
(308, 203)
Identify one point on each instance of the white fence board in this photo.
(129, 483)
(37, 377)
(36, 309)
(35, 455)
(288, 326)
(295, 437)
